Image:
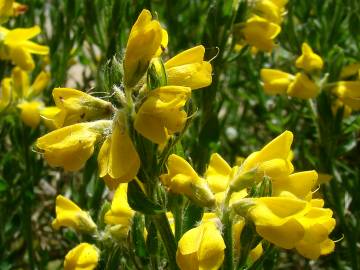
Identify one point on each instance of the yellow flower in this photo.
(350, 70)
(299, 184)
(118, 160)
(162, 114)
(308, 60)
(77, 106)
(302, 87)
(273, 159)
(275, 81)
(275, 220)
(16, 46)
(30, 112)
(260, 33)
(189, 69)
(218, 174)
(337, 105)
(70, 147)
(201, 248)
(182, 179)
(68, 214)
(145, 40)
(120, 214)
(270, 10)
(9, 8)
(349, 93)
(5, 94)
(53, 117)
(25, 94)
(83, 257)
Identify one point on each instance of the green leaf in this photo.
(140, 202)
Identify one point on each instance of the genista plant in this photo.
(159, 135)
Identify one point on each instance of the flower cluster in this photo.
(263, 26)
(287, 216)
(152, 98)
(299, 85)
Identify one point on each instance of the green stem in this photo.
(163, 227)
(27, 190)
(228, 235)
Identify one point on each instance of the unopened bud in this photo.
(242, 206)
(243, 180)
(201, 194)
(86, 223)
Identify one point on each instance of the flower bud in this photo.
(156, 74)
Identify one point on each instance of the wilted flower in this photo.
(83, 256)
(201, 248)
(68, 214)
(16, 46)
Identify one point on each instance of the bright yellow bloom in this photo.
(302, 87)
(16, 46)
(201, 248)
(9, 8)
(77, 106)
(309, 60)
(25, 94)
(120, 214)
(275, 81)
(270, 10)
(273, 159)
(350, 70)
(300, 184)
(68, 214)
(83, 257)
(118, 160)
(70, 147)
(53, 117)
(5, 94)
(182, 179)
(145, 40)
(349, 93)
(30, 112)
(260, 33)
(162, 114)
(275, 220)
(337, 105)
(189, 69)
(218, 174)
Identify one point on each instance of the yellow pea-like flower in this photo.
(120, 214)
(189, 69)
(337, 105)
(9, 8)
(83, 257)
(182, 179)
(349, 93)
(275, 220)
(145, 40)
(300, 184)
(260, 33)
(275, 81)
(18, 48)
(30, 112)
(118, 160)
(270, 10)
(6, 93)
(78, 106)
(162, 114)
(70, 147)
(303, 87)
(274, 159)
(350, 70)
(201, 248)
(68, 214)
(309, 60)
(53, 117)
